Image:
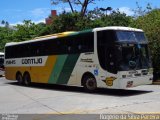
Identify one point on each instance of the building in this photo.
(49, 20)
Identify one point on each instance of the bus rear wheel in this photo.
(27, 79)
(19, 78)
(90, 84)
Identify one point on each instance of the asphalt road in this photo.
(60, 100)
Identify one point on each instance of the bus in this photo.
(112, 57)
(1, 63)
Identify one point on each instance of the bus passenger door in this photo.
(110, 60)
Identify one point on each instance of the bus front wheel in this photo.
(90, 83)
(19, 78)
(27, 79)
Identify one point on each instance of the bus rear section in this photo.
(2, 69)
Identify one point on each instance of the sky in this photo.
(15, 11)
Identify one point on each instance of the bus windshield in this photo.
(133, 50)
(123, 50)
(133, 56)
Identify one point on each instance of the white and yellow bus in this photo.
(107, 57)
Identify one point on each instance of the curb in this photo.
(156, 83)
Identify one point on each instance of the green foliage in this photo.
(20, 32)
(5, 23)
(26, 31)
(96, 18)
(65, 21)
(116, 18)
(150, 23)
(140, 11)
(5, 36)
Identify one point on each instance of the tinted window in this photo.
(84, 43)
(1, 61)
(65, 45)
(106, 51)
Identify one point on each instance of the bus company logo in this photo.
(28, 61)
(32, 61)
(109, 81)
(87, 60)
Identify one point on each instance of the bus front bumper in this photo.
(135, 81)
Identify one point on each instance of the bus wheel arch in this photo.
(89, 82)
(26, 78)
(19, 78)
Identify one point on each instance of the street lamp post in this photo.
(106, 9)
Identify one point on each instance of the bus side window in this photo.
(80, 45)
(69, 43)
(2, 61)
(85, 43)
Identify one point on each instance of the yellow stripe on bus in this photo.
(39, 74)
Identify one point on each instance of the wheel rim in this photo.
(27, 79)
(19, 79)
(91, 84)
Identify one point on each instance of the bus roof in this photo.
(69, 33)
(56, 34)
(41, 38)
(117, 28)
(47, 37)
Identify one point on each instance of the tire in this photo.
(19, 78)
(90, 84)
(27, 79)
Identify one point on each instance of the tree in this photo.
(25, 31)
(139, 11)
(65, 22)
(5, 23)
(42, 29)
(82, 3)
(5, 36)
(55, 2)
(68, 21)
(150, 23)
